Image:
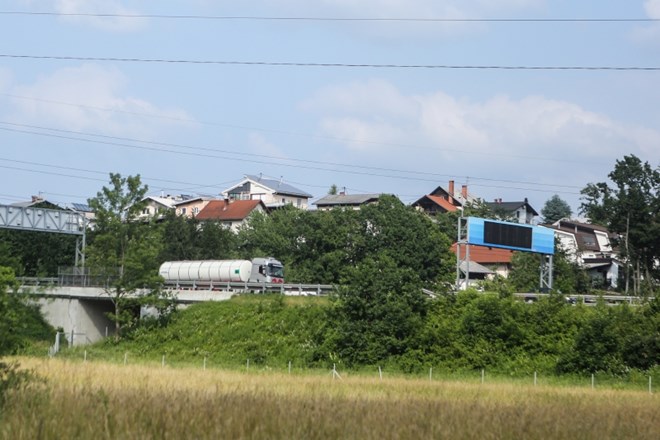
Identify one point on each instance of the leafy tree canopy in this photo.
(123, 248)
(630, 208)
(555, 209)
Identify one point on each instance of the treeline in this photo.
(454, 333)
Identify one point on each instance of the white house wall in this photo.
(603, 241)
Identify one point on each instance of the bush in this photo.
(12, 378)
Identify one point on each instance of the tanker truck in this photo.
(208, 272)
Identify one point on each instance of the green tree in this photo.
(9, 317)
(568, 277)
(407, 236)
(555, 209)
(333, 190)
(215, 242)
(124, 248)
(378, 313)
(631, 209)
(189, 239)
(35, 253)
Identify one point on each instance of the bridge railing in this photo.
(289, 289)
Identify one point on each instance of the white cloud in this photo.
(650, 33)
(111, 24)
(497, 133)
(5, 79)
(90, 98)
(258, 144)
(407, 8)
(454, 9)
(652, 8)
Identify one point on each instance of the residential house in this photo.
(191, 207)
(442, 200)
(37, 202)
(590, 246)
(230, 213)
(498, 261)
(342, 200)
(517, 212)
(156, 207)
(86, 211)
(273, 193)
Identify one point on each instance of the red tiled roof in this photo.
(485, 254)
(444, 203)
(234, 210)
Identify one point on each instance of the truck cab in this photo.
(268, 270)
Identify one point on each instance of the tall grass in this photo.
(103, 400)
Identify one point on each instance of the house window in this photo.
(589, 240)
(183, 210)
(298, 202)
(145, 211)
(195, 210)
(283, 200)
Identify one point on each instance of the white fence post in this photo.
(380, 373)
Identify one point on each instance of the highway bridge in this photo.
(81, 310)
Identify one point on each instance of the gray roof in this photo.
(476, 268)
(346, 199)
(510, 206)
(194, 199)
(279, 186)
(81, 207)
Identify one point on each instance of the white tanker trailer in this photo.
(259, 270)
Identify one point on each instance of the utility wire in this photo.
(347, 19)
(154, 179)
(390, 176)
(214, 150)
(287, 133)
(332, 65)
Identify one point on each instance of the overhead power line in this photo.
(411, 175)
(204, 152)
(333, 65)
(346, 19)
(297, 134)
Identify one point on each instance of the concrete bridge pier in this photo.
(83, 321)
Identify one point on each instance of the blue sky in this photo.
(199, 128)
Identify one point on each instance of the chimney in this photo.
(464, 192)
(451, 188)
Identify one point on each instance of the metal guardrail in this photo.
(38, 281)
(284, 288)
(91, 281)
(587, 299)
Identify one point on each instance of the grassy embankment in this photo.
(269, 332)
(104, 400)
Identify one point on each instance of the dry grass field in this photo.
(97, 400)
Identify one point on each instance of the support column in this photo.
(462, 256)
(546, 273)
